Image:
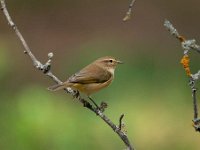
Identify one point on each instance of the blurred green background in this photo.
(151, 88)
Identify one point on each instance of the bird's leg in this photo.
(93, 102)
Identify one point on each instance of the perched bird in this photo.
(92, 78)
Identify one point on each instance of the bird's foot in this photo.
(76, 94)
(103, 106)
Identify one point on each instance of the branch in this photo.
(187, 46)
(45, 68)
(129, 12)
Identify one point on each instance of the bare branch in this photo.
(187, 46)
(171, 29)
(195, 103)
(45, 68)
(129, 12)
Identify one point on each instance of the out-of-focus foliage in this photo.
(150, 88)
(4, 62)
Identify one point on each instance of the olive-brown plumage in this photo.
(92, 78)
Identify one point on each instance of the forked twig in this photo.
(45, 68)
(187, 46)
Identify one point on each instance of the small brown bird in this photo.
(97, 75)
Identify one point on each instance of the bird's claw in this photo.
(103, 106)
(76, 94)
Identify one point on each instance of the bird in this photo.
(92, 78)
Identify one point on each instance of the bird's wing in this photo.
(88, 75)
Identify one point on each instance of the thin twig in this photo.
(187, 46)
(129, 12)
(45, 68)
(195, 103)
(120, 121)
(194, 90)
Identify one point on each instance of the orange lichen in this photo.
(181, 38)
(185, 62)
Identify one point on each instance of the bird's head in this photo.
(108, 62)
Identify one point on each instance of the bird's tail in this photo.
(57, 87)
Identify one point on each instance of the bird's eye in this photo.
(110, 60)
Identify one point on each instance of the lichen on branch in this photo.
(188, 46)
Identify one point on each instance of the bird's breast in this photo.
(91, 88)
(111, 70)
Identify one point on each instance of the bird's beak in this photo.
(119, 62)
